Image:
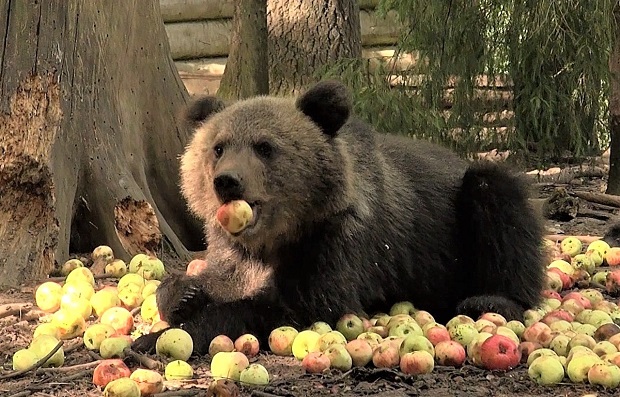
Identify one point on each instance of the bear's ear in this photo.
(328, 104)
(201, 109)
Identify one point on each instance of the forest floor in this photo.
(287, 376)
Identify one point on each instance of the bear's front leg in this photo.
(257, 316)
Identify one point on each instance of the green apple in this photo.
(228, 365)
(321, 327)
(546, 370)
(122, 387)
(328, 339)
(601, 246)
(117, 268)
(175, 343)
(372, 338)
(254, 374)
(415, 343)
(304, 343)
(97, 333)
(463, 333)
(178, 370)
(42, 345)
(583, 261)
(70, 265)
(104, 299)
(417, 363)
(24, 359)
(404, 307)
(559, 344)
(80, 273)
(579, 365)
(339, 357)
(48, 296)
(350, 326)
(114, 347)
(149, 309)
(563, 266)
(571, 246)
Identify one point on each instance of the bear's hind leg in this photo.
(501, 241)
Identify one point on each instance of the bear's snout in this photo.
(228, 186)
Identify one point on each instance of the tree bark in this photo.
(305, 37)
(89, 98)
(613, 182)
(247, 70)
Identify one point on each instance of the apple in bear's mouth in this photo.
(237, 215)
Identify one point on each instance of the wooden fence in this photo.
(199, 34)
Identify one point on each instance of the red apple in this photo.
(567, 281)
(119, 318)
(196, 266)
(578, 296)
(613, 256)
(612, 283)
(417, 363)
(450, 353)
(108, 370)
(499, 353)
(386, 355)
(247, 344)
(551, 294)
(436, 334)
(315, 362)
(538, 332)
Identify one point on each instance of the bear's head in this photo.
(283, 156)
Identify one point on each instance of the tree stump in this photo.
(89, 105)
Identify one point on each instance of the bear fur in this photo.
(347, 220)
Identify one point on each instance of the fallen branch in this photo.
(61, 279)
(144, 360)
(35, 365)
(599, 198)
(71, 368)
(23, 393)
(179, 393)
(565, 175)
(594, 214)
(584, 239)
(14, 309)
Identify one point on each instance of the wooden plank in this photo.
(211, 38)
(193, 10)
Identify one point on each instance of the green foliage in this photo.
(544, 60)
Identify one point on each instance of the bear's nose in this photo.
(228, 186)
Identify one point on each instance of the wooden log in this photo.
(193, 10)
(599, 198)
(211, 38)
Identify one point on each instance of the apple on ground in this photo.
(321, 327)
(604, 374)
(95, 334)
(109, 370)
(305, 342)
(339, 357)
(450, 353)
(114, 347)
(119, 318)
(546, 370)
(404, 307)
(124, 387)
(281, 340)
(42, 345)
(221, 343)
(247, 344)
(386, 355)
(579, 365)
(24, 359)
(254, 374)
(360, 352)
(178, 370)
(228, 365)
(350, 325)
(417, 363)
(149, 382)
(499, 352)
(315, 362)
(175, 343)
(48, 296)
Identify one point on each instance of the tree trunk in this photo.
(89, 134)
(305, 37)
(247, 70)
(613, 182)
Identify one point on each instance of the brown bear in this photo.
(345, 220)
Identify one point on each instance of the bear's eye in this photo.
(264, 149)
(218, 150)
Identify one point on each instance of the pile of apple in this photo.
(102, 316)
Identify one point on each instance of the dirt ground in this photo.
(288, 378)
